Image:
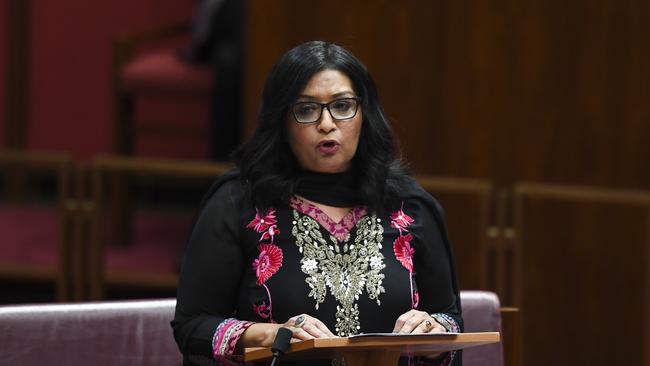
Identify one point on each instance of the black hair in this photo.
(267, 164)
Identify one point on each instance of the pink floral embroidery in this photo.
(270, 233)
(400, 221)
(269, 260)
(262, 223)
(403, 251)
(267, 263)
(262, 310)
(225, 340)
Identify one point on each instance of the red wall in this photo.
(69, 88)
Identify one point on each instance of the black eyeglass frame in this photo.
(323, 106)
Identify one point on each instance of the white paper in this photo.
(401, 335)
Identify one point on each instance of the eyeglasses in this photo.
(339, 109)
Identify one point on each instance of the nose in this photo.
(326, 123)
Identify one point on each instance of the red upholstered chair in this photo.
(164, 71)
(161, 104)
(147, 67)
(36, 220)
(482, 313)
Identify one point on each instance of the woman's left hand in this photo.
(416, 322)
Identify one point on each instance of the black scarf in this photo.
(331, 189)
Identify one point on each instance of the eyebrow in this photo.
(334, 96)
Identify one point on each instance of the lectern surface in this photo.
(328, 348)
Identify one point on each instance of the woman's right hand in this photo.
(263, 334)
(306, 327)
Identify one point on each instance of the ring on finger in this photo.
(299, 322)
(428, 324)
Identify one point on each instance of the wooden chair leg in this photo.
(82, 208)
(64, 282)
(14, 185)
(121, 208)
(95, 252)
(123, 145)
(123, 130)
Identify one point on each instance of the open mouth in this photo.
(328, 147)
(327, 144)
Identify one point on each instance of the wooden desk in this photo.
(376, 350)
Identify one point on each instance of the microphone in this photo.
(280, 344)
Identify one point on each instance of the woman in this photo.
(320, 230)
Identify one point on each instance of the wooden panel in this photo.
(276, 26)
(467, 207)
(505, 90)
(578, 107)
(582, 276)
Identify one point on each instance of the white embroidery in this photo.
(346, 269)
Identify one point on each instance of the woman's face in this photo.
(327, 145)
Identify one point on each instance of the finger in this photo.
(311, 328)
(323, 328)
(437, 327)
(421, 328)
(301, 334)
(429, 325)
(399, 323)
(309, 325)
(406, 322)
(412, 324)
(291, 323)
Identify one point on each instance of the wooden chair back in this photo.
(142, 177)
(38, 214)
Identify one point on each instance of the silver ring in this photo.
(299, 322)
(428, 324)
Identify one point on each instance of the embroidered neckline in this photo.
(343, 269)
(340, 230)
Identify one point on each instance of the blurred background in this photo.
(529, 120)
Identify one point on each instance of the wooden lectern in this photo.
(379, 350)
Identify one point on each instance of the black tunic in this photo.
(297, 261)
